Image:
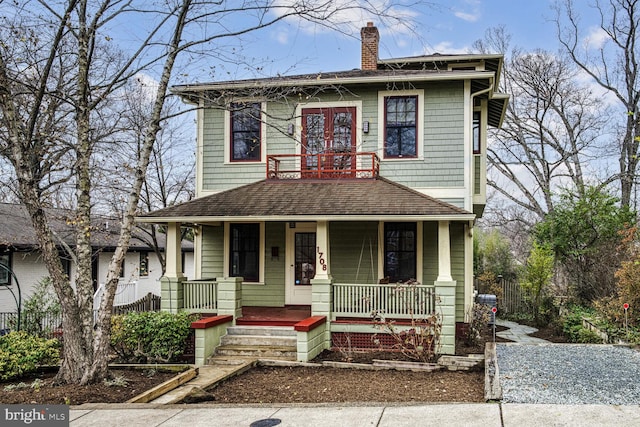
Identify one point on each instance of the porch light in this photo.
(290, 129)
(365, 127)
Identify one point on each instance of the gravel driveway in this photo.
(569, 373)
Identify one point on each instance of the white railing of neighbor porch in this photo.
(125, 294)
(200, 296)
(394, 300)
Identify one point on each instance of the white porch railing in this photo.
(395, 300)
(125, 294)
(200, 296)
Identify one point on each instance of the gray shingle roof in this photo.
(301, 198)
(17, 231)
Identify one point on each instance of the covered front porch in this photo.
(344, 249)
(346, 308)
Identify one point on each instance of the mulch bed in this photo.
(39, 388)
(283, 384)
(321, 385)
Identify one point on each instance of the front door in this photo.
(328, 141)
(301, 262)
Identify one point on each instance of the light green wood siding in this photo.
(354, 252)
(457, 266)
(271, 292)
(430, 251)
(430, 262)
(212, 252)
(455, 202)
(443, 161)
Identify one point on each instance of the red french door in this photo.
(329, 141)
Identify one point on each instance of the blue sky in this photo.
(450, 27)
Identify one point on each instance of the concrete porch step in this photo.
(259, 340)
(258, 351)
(262, 330)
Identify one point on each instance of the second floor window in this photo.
(400, 121)
(245, 251)
(245, 132)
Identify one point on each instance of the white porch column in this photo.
(446, 291)
(322, 242)
(173, 251)
(321, 284)
(171, 290)
(444, 252)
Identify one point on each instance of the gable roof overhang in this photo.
(480, 81)
(313, 200)
(497, 109)
(192, 93)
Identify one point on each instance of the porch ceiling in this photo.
(310, 200)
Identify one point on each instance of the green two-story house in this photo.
(318, 194)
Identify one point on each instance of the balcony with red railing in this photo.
(326, 165)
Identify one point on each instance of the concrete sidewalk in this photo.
(479, 414)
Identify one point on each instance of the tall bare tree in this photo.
(60, 74)
(550, 133)
(610, 57)
(171, 174)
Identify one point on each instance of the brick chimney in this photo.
(370, 39)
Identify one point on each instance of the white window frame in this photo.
(261, 259)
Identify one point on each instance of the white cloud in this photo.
(596, 38)
(350, 15)
(469, 17)
(447, 48)
(281, 36)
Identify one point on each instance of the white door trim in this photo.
(296, 295)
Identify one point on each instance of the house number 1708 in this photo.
(321, 259)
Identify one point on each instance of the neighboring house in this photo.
(326, 190)
(19, 251)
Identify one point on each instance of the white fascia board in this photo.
(435, 76)
(301, 218)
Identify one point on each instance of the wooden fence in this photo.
(150, 302)
(511, 297)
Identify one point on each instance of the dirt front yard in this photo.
(275, 385)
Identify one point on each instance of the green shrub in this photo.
(21, 353)
(587, 336)
(150, 337)
(573, 329)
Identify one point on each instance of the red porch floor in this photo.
(274, 316)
